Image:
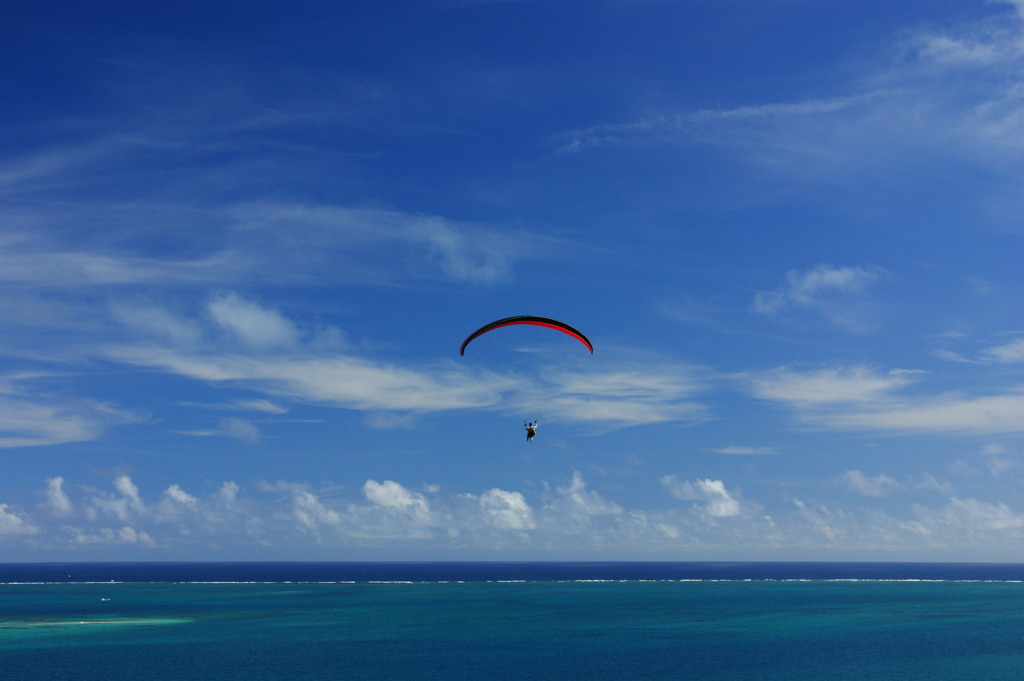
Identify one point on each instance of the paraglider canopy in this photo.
(528, 319)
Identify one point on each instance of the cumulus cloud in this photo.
(56, 498)
(718, 501)
(412, 507)
(176, 495)
(127, 504)
(584, 502)
(105, 535)
(291, 518)
(822, 520)
(13, 523)
(311, 512)
(972, 515)
(507, 510)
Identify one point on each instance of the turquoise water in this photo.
(764, 629)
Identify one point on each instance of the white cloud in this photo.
(365, 244)
(56, 498)
(805, 289)
(826, 386)
(972, 515)
(860, 398)
(267, 352)
(258, 405)
(125, 507)
(821, 519)
(1006, 353)
(950, 414)
(290, 518)
(744, 451)
(311, 512)
(584, 502)
(256, 242)
(338, 380)
(718, 127)
(624, 397)
(825, 289)
(461, 257)
(177, 495)
(238, 429)
(718, 501)
(105, 535)
(158, 323)
(950, 86)
(11, 523)
(396, 498)
(69, 269)
(37, 418)
(1010, 352)
(129, 491)
(877, 486)
(253, 325)
(507, 510)
(930, 100)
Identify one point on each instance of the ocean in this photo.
(498, 621)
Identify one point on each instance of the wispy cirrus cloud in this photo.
(236, 341)
(825, 289)
(856, 385)
(1011, 352)
(262, 242)
(861, 398)
(988, 414)
(627, 395)
(936, 96)
(238, 429)
(742, 450)
(31, 415)
(871, 486)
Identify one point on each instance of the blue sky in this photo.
(240, 244)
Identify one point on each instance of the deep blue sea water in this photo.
(431, 621)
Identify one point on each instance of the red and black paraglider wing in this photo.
(528, 319)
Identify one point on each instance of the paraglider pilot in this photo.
(531, 430)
